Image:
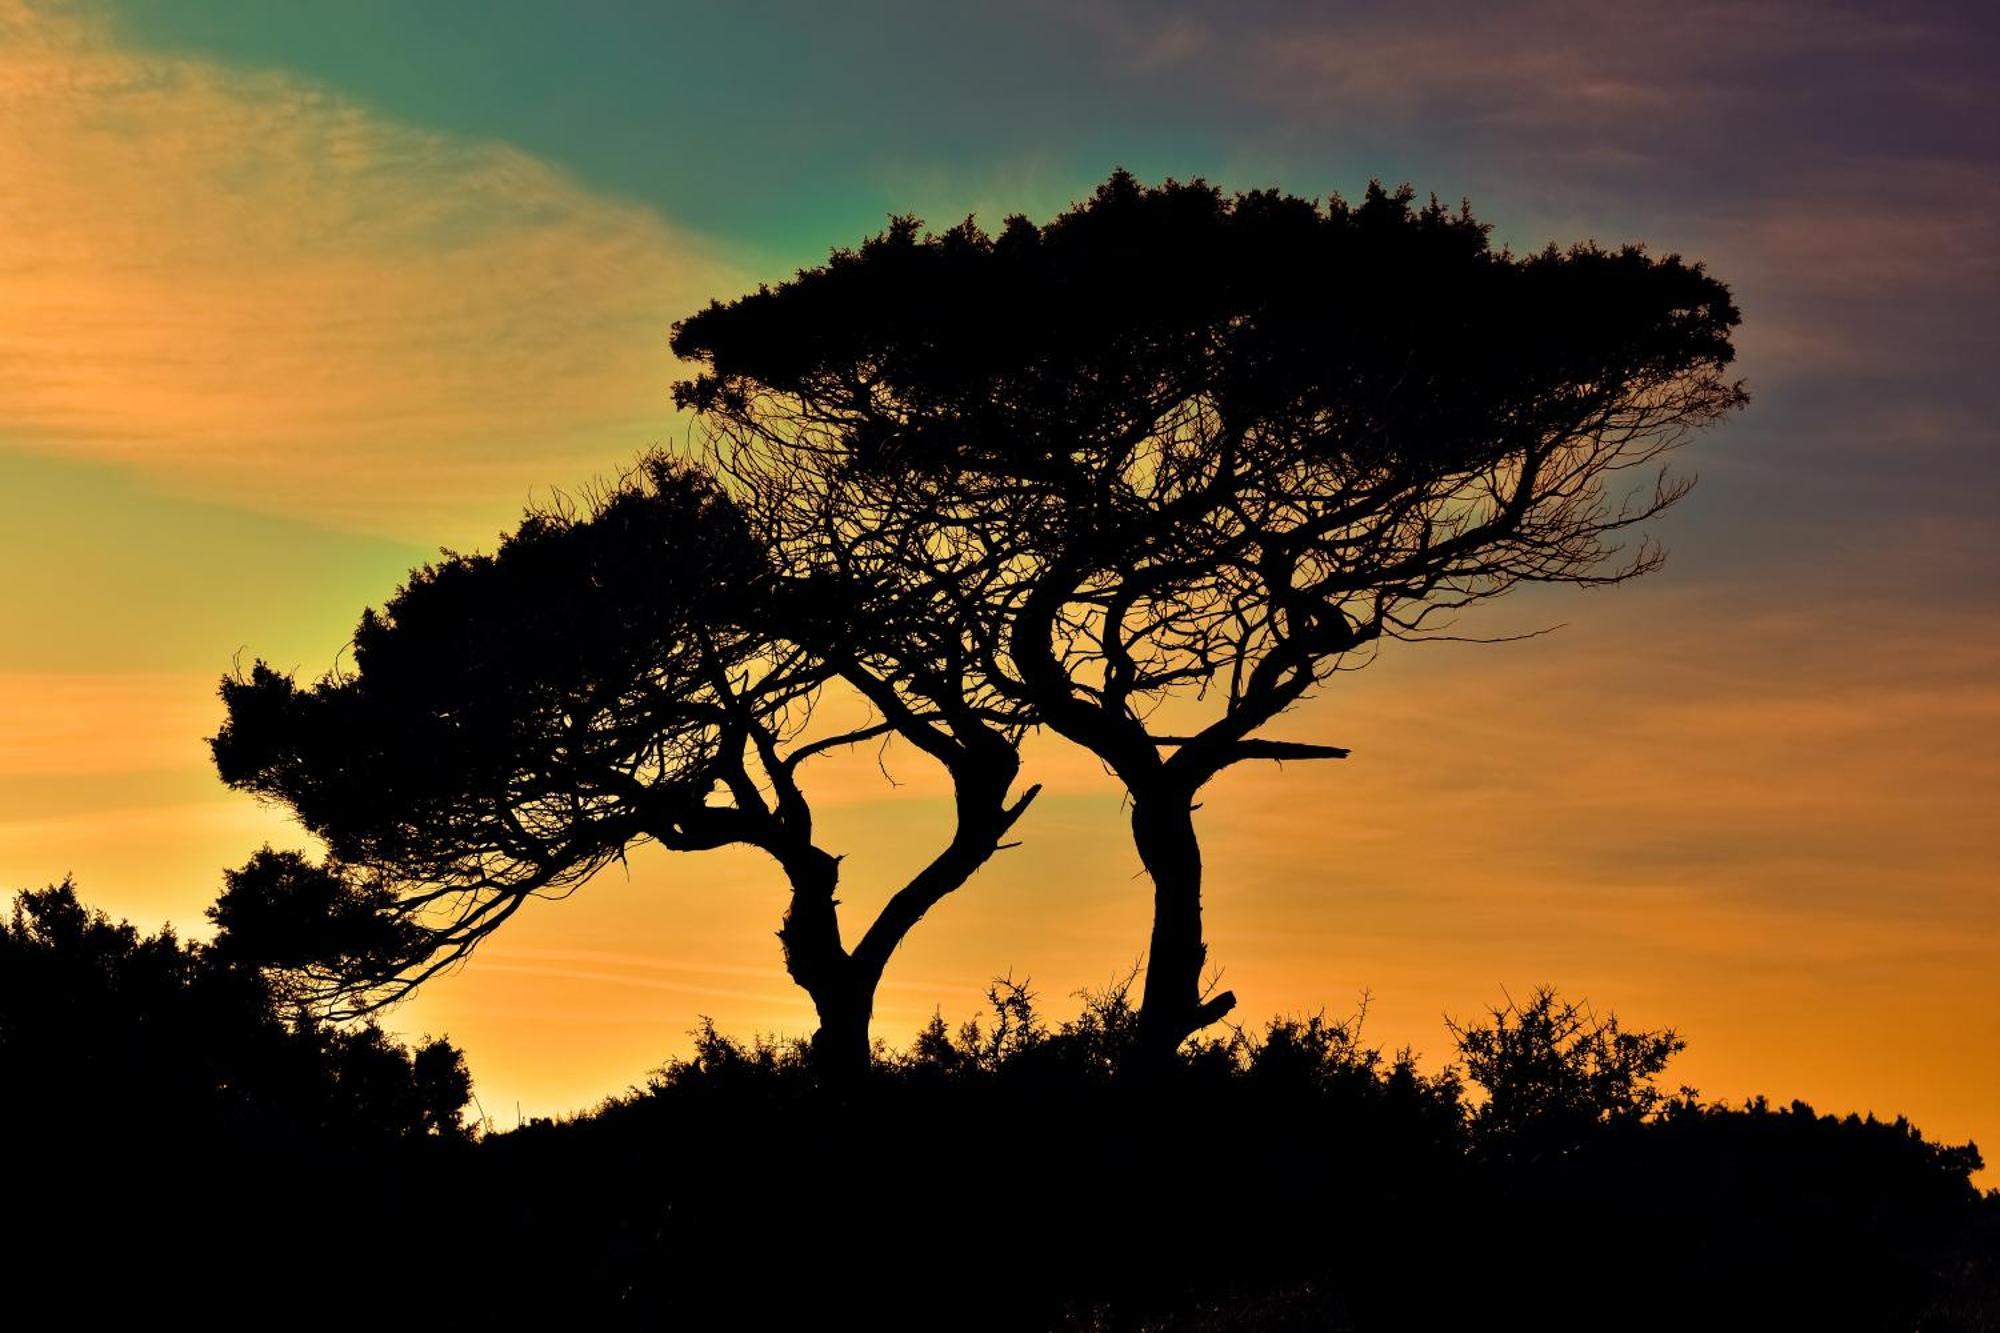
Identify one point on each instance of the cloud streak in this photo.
(1833, 161)
(251, 288)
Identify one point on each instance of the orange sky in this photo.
(266, 345)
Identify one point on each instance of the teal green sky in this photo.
(779, 128)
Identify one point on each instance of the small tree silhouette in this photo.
(641, 670)
(1553, 1072)
(1176, 444)
(109, 1035)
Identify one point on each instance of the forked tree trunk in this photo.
(843, 984)
(1172, 1008)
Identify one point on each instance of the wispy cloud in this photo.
(1834, 161)
(58, 725)
(1620, 72)
(252, 288)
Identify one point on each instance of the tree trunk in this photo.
(840, 1048)
(819, 963)
(1172, 1008)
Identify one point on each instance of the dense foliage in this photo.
(108, 1031)
(512, 721)
(178, 1135)
(1006, 1176)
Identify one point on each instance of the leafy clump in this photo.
(113, 1033)
(1553, 1071)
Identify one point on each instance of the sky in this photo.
(292, 296)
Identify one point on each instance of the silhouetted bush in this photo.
(1007, 1175)
(109, 1030)
(171, 1126)
(987, 1177)
(1554, 1073)
(999, 1174)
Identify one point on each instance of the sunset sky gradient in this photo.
(293, 295)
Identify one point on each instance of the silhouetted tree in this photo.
(108, 1035)
(178, 1133)
(644, 669)
(1177, 444)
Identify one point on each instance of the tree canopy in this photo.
(639, 668)
(1178, 444)
(512, 721)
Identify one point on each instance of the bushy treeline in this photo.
(178, 1139)
(1010, 1175)
(108, 1031)
(177, 1135)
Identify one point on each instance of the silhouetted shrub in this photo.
(145, 1035)
(1554, 1072)
(1009, 1173)
(175, 1137)
(1004, 1173)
